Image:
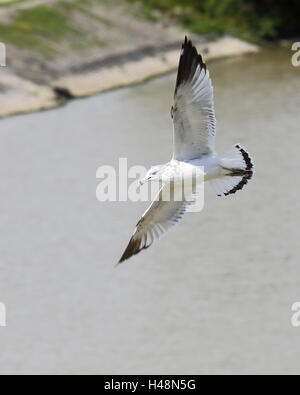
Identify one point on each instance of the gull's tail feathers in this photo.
(238, 169)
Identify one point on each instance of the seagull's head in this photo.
(154, 174)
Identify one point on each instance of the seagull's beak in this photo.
(143, 181)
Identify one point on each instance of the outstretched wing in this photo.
(163, 213)
(193, 109)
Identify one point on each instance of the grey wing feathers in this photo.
(193, 109)
(160, 217)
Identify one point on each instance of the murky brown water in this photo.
(214, 296)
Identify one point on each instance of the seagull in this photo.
(194, 132)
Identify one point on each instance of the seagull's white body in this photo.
(193, 153)
(176, 170)
(210, 166)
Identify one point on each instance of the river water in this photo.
(214, 296)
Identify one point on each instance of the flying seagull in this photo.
(194, 147)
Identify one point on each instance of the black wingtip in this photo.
(126, 255)
(186, 43)
(134, 247)
(189, 60)
(122, 259)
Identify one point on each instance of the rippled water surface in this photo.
(214, 296)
